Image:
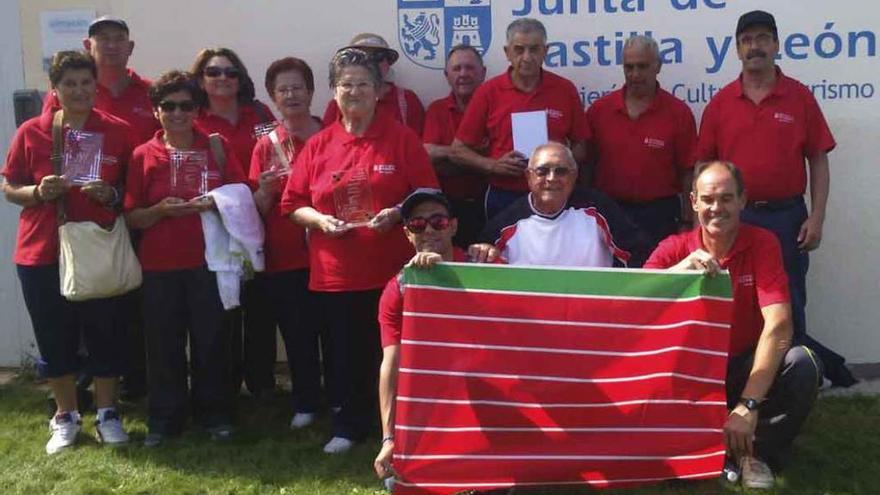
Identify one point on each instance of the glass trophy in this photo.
(189, 174)
(81, 162)
(353, 198)
(275, 163)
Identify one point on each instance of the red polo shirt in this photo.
(132, 105)
(285, 244)
(172, 243)
(488, 117)
(640, 160)
(396, 163)
(397, 101)
(756, 271)
(241, 136)
(441, 123)
(391, 306)
(769, 141)
(28, 161)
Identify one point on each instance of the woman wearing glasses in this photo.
(401, 104)
(165, 188)
(32, 182)
(227, 107)
(345, 186)
(290, 83)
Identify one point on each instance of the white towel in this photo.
(234, 236)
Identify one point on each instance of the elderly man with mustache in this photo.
(770, 126)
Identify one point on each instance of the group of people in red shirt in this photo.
(330, 193)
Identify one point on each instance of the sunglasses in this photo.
(229, 72)
(169, 106)
(417, 225)
(557, 171)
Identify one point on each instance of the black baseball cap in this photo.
(420, 196)
(106, 20)
(756, 18)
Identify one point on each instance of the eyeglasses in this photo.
(169, 106)
(557, 171)
(289, 90)
(349, 86)
(229, 72)
(417, 225)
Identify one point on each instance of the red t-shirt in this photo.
(441, 122)
(640, 160)
(242, 136)
(172, 243)
(391, 306)
(756, 271)
(488, 116)
(395, 162)
(29, 160)
(767, 142)
(132, 105)
(285, 244)
(394, 102)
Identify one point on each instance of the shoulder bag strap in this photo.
(218, 152)
(401, 102)
(57, 157)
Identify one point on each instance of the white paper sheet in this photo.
(529, 131)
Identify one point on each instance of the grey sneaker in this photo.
(64, 427)
(154, 440)
(109, 430)
(756, 474)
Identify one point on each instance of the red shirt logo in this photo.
(784, 118)
(655, 143)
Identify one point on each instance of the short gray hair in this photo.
(354, 57)
(553, 145)
(646, 42)
(701, 167)
(526, 25)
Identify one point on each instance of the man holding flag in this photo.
(771, 386)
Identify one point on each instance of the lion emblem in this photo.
(422, 33)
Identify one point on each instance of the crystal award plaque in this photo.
(353, 198)
(189, 174)
(81, 162)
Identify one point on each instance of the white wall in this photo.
(16, 337)
(844, 278)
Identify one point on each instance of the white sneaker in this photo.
(338, 445)
(756, 474)
(301, 420)
(64, 428)
(109, 430)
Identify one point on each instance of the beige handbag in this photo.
(94, 263)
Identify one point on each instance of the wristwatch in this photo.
(751, 404)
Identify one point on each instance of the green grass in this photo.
(839, 453)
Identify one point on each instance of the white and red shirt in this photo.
(756, 271)
(768, 142)
(488, 117)
(395, 162)
(172, 243)
(641, 159)
(29, 160)
(589, 231)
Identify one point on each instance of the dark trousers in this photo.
(499, 199)
(658, 218)
(784, 218)
(471, 219)
(292, 306)
(60, 325)
(130, 320)
(179, 304)
(253, 338)
(788, 402)
(355, 354)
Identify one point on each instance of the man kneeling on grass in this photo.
(771, 386)
(430, 227)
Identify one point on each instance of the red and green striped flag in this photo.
(523, 376)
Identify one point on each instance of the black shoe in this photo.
(221, 433)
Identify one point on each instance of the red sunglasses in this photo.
(417, 225)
